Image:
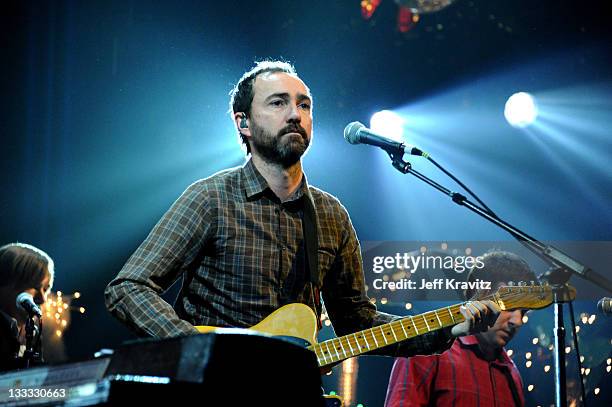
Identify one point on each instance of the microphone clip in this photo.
(397, 159)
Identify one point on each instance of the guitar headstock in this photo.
(532, 296)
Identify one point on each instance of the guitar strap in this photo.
(311, 248)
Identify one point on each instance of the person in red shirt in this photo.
(476, 370)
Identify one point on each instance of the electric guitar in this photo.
(298, 323)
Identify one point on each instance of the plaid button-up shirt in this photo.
(240, 251)
(458, 377)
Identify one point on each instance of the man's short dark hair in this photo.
(499, 267)
(241, 96)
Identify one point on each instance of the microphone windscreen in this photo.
(26, 302)
(605, 306)
(24, 297)
(351, 132)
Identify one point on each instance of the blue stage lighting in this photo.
(521, 109)
(388, 124)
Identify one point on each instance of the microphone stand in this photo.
(563, 266)
(33, 333)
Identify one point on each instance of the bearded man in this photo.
(251, 239)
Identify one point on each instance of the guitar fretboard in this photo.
(338, 349)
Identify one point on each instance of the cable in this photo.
(469, 191)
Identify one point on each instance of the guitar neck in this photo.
(338, 349)
(507, 298)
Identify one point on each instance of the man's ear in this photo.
(242, 123)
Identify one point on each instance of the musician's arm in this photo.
(168, 251)
(350, 309)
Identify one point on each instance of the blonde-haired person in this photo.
(23, 269)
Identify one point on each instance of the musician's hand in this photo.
(479, 316)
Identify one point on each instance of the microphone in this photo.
(357, 133)
(605, 306)
(26, 302)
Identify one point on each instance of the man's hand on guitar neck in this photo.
(479, 316)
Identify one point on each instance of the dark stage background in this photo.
(112, 108)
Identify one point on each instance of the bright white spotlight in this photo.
(521, 110)
(388, 124)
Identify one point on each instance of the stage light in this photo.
(521, 109)
(388, 124)
(348, 380)
(57, 311)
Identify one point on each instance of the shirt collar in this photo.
(471, 341)
(254, 183)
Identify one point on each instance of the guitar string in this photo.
(508, 298)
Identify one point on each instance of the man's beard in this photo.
(280, 149)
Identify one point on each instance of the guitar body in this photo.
(291, 320)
